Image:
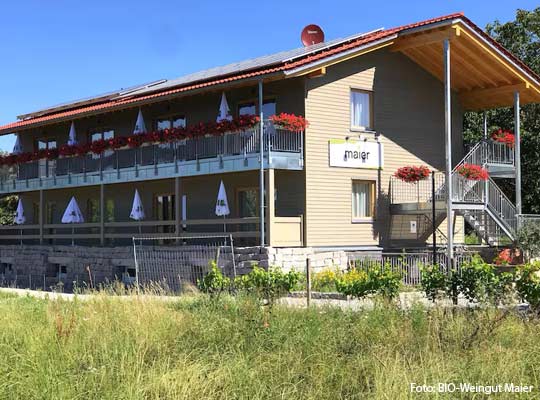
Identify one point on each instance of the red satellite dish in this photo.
(312, 34)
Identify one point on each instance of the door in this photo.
(247, 206)
(165, 211)
(46, 167)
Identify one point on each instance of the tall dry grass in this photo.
(195, 348)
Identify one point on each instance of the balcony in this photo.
(230, 152)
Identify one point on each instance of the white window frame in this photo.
(372, 184)
(360, 128)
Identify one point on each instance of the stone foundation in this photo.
(42, 267)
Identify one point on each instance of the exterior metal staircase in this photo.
(482, 204)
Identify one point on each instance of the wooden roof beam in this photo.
(423, 39)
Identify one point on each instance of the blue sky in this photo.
(59, 50)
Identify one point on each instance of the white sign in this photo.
(355, 154)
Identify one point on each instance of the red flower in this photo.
(412, 174)
(134, 141)
(290, 122)
(473, 172)
(66, 150)
(504, 136)
(51, 154)
(118, 142)
(24, 158)
(99, 146)
(152, 137)
(81, 149)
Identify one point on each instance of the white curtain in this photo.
(361, 202)
(360, 113)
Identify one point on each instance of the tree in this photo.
(522, 38)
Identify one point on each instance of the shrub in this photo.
(477, 281)
(528, 285)
(214, 283)
(528, 238)
(325, 281)
(269, 284)
(376, 279)
(434, 282)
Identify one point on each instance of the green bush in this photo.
(528, 285)
(268, 285)
(434, 282)
(376, 279)
(528, 239)
(325, 281)
(214, 283)
(477, 281)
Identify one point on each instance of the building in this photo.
(374, 102)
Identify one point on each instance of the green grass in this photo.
(193, 348)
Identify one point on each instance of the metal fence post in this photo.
(308, 281)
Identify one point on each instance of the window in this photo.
(248, 202)
(104, 134)
(361, 109)
(250, 108)
(363, 200)
(178, 121)
(46, 144)
(92, 210)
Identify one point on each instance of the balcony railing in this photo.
(199, 148)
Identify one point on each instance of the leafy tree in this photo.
(522, 38)
(8, 206)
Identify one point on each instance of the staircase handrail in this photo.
(502, 207)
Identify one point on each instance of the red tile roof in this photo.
(283, 67)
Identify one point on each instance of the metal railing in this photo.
(419, 192)
(501, 206)
(488, 152)
(407, 264)
(228, 144)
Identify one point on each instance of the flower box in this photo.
(473, 172)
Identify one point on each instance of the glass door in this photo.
(247, 206)
(46, 167)
(165, 211)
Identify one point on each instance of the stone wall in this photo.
(39, 266)
(289, 258)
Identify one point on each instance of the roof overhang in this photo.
(483, 73)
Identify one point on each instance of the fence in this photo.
(174, 264)
(407, 264)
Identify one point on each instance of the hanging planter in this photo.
(412, 174)
(473, 172)
(504, 136)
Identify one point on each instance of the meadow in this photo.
(234, 348)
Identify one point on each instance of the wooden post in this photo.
(270, 204)
(102, 214)
(308, 281)
(41, 215)
(177, 199)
